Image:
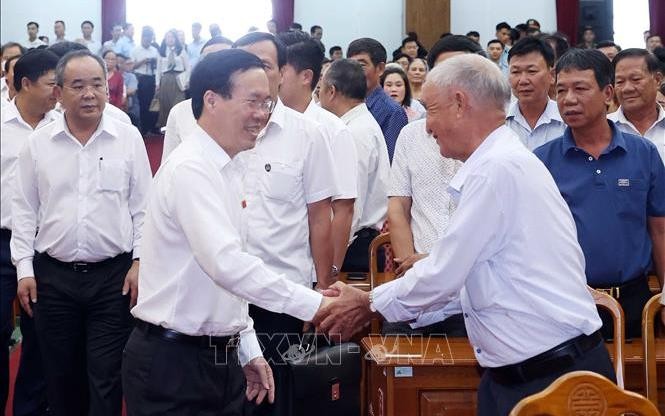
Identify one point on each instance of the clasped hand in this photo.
(343, 311)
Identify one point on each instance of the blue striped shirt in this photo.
(390, 116)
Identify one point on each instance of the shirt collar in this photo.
(617, 141)
(277, 119)
(551, 113)
(211, 150)
(354, 113)
(469, 166)
(106, 127)
(10, 112)
(620, 117)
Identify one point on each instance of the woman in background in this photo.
(172, 62)
(396, 85)
(116, 83)
(416, 74)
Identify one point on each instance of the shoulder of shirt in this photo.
(637, 141)
(116, 113)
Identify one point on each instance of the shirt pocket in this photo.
(281, 181)
(631, 198)
(113, 175)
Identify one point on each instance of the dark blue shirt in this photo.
(610, 198)
(390, 116)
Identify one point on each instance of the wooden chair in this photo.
(611, 305)
(584, 393)
(649, 316)
(376, 278)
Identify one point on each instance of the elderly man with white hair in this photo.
(510, 254)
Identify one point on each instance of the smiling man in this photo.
(534, 117)
(614, 184)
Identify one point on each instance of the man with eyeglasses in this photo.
(288, 184)
(78, 206)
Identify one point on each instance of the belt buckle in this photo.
(80, 267)
(614, 292)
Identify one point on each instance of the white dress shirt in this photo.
(30, 44)
(548, 127)
(179, 125)
(421, 173)
(93, 46)
(87, 202)
(290, 167)
(196, 276)
(343, 150)
(371, 206)
(655, 133)
(15, 132)
(140, 53)
(511, 255)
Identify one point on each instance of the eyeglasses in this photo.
(82, 88)
(264, 105)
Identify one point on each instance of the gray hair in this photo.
(62, 64)
(479, 76)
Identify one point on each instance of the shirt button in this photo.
(478, 350)
(598, 171)
(466, 315)
(590, 158)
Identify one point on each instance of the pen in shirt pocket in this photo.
(100, 163)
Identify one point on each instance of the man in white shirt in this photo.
(82, 181)
(343, 94)
(300, 75)
(145, 59)
(33, 41)
(31, 109)
(637, 77)
(9, 90)
(59, 30)
(181, 122)
(534, 117)
(197, 276)
(112, 44)
(194, 49)
(87, 27)
(517, 268)
(288, 185)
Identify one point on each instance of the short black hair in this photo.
(12, 45)
(409, 39)
(502, 25)
(348, 78)
(108, 51)
(295, 26)
(585, 59)
(521, 27)
(34, 64)
(303, 53)
(650, 59)
(32, 23)
(453, 43)
(561, 44)
(313, 29)
(608, 44)
(88, 22)
(76, 54)
(63, 48)
(530, 44)
(214, 72)
(256, 37)
(333, 49)
(59, 21)
(217, 40)
(473, 33)
(372, 47)
(533, 22)
(9, 61)
(495, 41)
(402, 55)
(407, 87)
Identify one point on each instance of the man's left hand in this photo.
(345, 314)
(259, 381)
(131, 285)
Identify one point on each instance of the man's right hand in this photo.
(27, 292)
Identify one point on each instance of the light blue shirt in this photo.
(510, 253)
(548, 127)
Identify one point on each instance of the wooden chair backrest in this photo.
(584, 393)
(611, 305)
(376, 278)
(649, 314)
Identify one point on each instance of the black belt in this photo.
(615, 291)
(366, 233)
(84, 267)
(203, 341)
(550, 362)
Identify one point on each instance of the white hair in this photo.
(479, 76)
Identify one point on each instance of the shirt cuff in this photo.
(249, 347)
(24, 268)
(136, 252)
(383, 298)
(303, 303)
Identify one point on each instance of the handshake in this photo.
(344, 311)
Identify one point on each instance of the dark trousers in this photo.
(632, 300)
(452, 326)
(83, 322)
(276, 333)
(30, 385)
(496, 399)
(145, 91)
(164, 377)
(357, 255)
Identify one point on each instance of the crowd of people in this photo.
(509, 177)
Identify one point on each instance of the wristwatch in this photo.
(371, 301)
(335, 271)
